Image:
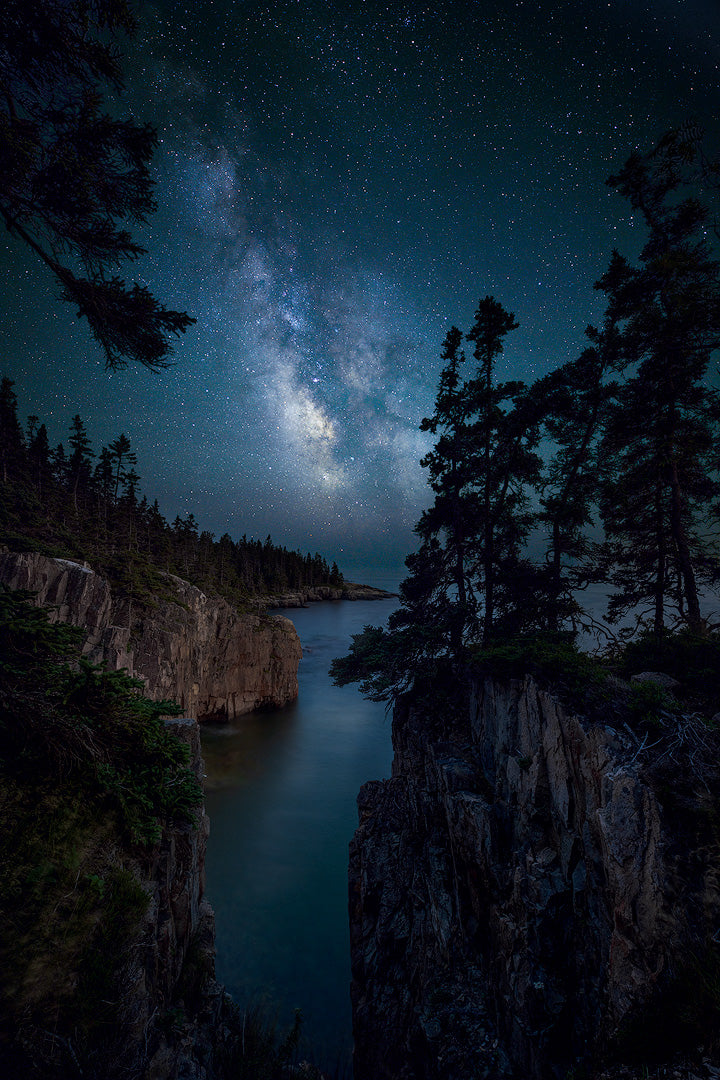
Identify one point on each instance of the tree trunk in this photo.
(458, 627)
(660, 574)
(553, 619)
(489, 582)
(682, 547)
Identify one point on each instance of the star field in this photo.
(337, 184)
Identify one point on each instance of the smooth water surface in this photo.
(281, 795)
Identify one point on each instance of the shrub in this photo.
(553, 660)
(690, 658)
(88, 768)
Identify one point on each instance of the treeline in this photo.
(70, 501)
(610, 465)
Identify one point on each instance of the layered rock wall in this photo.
(214, 661)
(521, 893)
(171, 1018)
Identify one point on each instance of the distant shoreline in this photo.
(323, 593)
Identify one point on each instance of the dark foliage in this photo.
(89, 774)
(692, 659)
(61, 716)
(630, 431)
(659, 446)
(73, 174)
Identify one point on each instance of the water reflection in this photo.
(236, 754)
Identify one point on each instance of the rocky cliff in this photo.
(214, 661)
(128, 989)
(531, 894)
(171, 1004)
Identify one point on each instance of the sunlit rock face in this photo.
(214, 661)
(522, 892)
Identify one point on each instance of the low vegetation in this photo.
(89, 774)
(590, 683)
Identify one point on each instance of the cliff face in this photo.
(175, 947)
(215, 662)
(115, 979)
(165, 1016)
(523, 893)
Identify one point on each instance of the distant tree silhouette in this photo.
(120, 457)
(12, 440)
(39, 458)
(58, 504)
(80, 463)
(72, 174)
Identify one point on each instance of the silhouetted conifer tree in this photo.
(73, 174)
(464, 579)
(80, 462)
(660, 438)
(121, 458)
(12, 440)
(39, 456)
(506, 435)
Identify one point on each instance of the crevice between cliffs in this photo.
(533, 893)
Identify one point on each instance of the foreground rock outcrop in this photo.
(160, 1014)
(172, 1012)
(214, 661)
(531, 893)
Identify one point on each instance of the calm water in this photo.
(281, 799)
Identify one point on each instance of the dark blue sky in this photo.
(338, 183)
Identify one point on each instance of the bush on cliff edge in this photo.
(89, 774)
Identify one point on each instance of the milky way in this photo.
(337, 185)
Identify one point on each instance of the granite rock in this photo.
(215, 662)
(514, 891)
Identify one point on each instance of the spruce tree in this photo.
(661, 434)
(73, 175)
(450, 466)
(505, 434)
(465, 578)
(121, 458)
(80, 462)
(12, 439)
(39, 457)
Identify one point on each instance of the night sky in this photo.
(338, 184)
